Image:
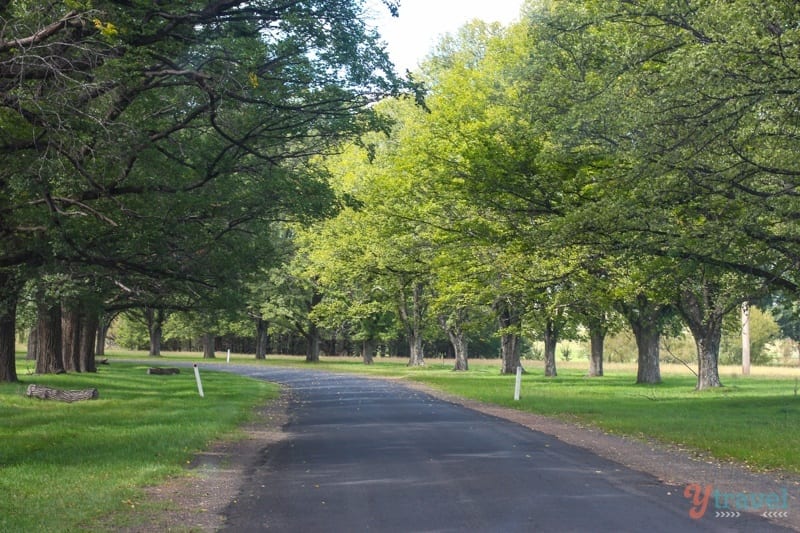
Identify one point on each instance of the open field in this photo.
(64, 465)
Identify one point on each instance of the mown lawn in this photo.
(62, 466)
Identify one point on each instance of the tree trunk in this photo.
(33, 344)
(708, 359)
(510, 347)
(163, 371)
(8, 361)
(70, 337)
(312, 348)
(647, 343)
(704, 317)
(645, 318)
(69, 396)
(509, 322)
(262, 339)
(155, 328)
(100, 340)
(457, 339)
(102, 332)
(48, 331)
(208, 346)
(550, 343)
(416, 355)
(368, 350)
(90, 325)
(597, 337)
(312, 334)
(412, 322)
(460, 347)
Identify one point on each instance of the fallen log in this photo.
(47, 393)
(163, 371)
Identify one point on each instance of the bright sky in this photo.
(421, 22)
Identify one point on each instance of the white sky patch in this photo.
(421, 23)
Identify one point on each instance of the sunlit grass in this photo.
(63, 465)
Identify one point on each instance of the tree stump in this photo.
(46, 393)
(163, 371)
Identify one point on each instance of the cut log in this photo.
(46, 393)
(162, 370)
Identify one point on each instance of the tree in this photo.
(123, 121)
(697, 126)
(9, 291)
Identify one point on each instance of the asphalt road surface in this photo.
(372, 455)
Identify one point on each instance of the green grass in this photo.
(64, 466)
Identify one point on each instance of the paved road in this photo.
(372, 455)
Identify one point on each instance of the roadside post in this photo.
(197, 378)
(518, 383)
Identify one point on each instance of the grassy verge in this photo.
(753, 420)
(64, 465)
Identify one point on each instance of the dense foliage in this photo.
(592, 167)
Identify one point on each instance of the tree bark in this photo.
(647, 343)
(48, 330)
(100, 340)
(708, 359)
(412, 322)
(461, 349)
(208, 346)
(47, 393)
(645, 318)
(88, 336)
(103, 326)
(70, 337)
(509, 322)
(458, 339)
(368, 350)
(703, 314)
(597, 337)
(312, 334)
(312, 346)
(416, 355)
(9, 292)
(550, 343)
(33, 344)
(262, 339)
(163, 371)
(155, 328)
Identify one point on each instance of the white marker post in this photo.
(229, 356)
(199, 383)
(518, 384)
